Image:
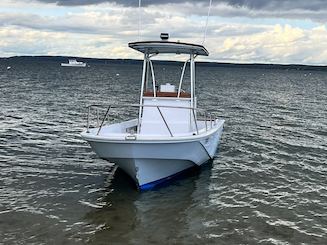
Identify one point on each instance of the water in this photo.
(267, 185)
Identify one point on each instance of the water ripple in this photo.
(266, 186)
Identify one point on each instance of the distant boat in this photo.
(74, 63)
(8, 67)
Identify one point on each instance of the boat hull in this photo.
(151, 162)
(73, 65)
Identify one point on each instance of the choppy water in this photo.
(268, 184)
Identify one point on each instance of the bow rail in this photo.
(208, 117)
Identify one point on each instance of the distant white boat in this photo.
(8, 67)
(74, 63)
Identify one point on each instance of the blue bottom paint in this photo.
(165, 181)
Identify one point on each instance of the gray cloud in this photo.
(273, 5)
(37, 22)
(316, 10)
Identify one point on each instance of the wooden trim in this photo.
(167, 94)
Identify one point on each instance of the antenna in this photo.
(139, 25)
(206, 27)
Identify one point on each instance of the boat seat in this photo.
(167, 94)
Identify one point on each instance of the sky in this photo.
(239, 31)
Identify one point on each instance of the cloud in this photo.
(90, 22)
(230, 11)
(99, 38)
(277, 44)
(18, 41)
(315, 10)
(273, 5)
(103, 30)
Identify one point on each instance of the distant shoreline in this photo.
(134, 61)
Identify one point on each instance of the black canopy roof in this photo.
(156, 47)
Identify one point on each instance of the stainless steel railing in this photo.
(207, 115)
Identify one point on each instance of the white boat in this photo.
(169, 135)
(74, 63)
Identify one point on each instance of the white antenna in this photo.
(139, 26)
(206, 27)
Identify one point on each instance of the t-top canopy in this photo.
(156, 47)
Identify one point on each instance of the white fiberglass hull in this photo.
(73, 65)
(152, 161)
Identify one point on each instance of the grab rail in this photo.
(192, 109)
(163, 118)
(104, 118)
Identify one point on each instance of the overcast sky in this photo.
(242, 31)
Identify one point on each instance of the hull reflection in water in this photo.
(128, 214)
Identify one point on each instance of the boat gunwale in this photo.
(139, 138)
